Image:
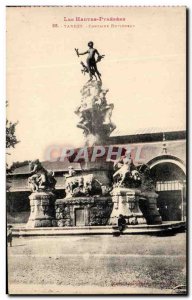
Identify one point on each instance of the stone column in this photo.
(42, 209)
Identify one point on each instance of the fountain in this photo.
(105, 187)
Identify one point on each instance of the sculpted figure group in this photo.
(85, 185)
(40, 179)
(94, 111)
(126, 173)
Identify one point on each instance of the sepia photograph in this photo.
(96, 137)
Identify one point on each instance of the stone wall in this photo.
(96, 210)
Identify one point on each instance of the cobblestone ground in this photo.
(97, 264)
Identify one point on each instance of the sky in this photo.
(144, 70)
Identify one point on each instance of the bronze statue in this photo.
(91, 66)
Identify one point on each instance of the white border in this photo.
(3, 4)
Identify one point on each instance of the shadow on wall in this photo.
(17, 217)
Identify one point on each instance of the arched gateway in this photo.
(169, 173)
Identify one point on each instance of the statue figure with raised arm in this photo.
(91, 66)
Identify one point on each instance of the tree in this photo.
(11, 139)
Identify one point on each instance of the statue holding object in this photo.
(94, 112)
(91, 66)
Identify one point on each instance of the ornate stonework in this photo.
(40, 179)
(42, 199)
(95, 113)
(126, 202)
(99, 193)
(96, 210)
(42, 209)
(133, 194)
(85, 185)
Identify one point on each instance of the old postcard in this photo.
(96, 143)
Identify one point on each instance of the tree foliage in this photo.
(11, 139)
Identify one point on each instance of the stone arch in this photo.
(169, 173)
(167, 159)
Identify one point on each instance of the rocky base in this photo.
(42, 210)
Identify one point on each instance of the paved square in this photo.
(97, 264)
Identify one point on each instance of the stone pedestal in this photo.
(126, 202)
(148, 206)
(42, 209)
